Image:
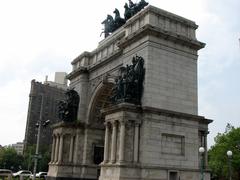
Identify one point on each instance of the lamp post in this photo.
(39, 124)
(201, 151)
(229, 154)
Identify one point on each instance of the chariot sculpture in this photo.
(111, 24)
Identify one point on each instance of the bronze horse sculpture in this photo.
(118, 20)
(110, 24)
(132, 9)
(128, 12)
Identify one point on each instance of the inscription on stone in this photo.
(173, 144)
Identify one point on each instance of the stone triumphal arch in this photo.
(157, 137)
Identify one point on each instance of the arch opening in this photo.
(99, 101)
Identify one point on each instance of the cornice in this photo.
(159, 32)
(84, 54)
(145, 109)
(77, 72)
(180, 115)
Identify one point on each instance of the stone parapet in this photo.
(162, 19)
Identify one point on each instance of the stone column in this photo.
(71, 148)
(53, 148)
(106, 144)
(56, 149)
(114, 142)
(136, 142)
(76, 146)
(60, 149)
(122, 141)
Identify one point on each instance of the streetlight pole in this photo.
(229, 154)
(38, 139)
(201, 151)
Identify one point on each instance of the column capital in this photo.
(62, 135)
(137, 123)
(114, 123)
(204, 132)
(122, 122)
(106, 124)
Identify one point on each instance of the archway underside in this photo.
(101, 101)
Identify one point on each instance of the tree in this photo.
(9, 159)
(28, 160)
(42, 162)
(218, 160)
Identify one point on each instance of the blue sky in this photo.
(38, 38)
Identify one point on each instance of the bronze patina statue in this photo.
(128, 86)
(118, 21)
(132, 9)
(110, 24)
(67, 109)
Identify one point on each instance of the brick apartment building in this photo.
(52, 92)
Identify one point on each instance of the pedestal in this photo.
(149, 143)
(67, 154)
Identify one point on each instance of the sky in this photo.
(38, 38)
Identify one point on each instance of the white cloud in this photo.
(13, 110)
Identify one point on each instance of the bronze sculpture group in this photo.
(67, 109)
(111, 24)
(128, 85)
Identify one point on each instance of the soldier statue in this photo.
(67, 109)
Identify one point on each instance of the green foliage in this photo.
(218, 160)
(9, 159)
(42, 162)
(28, 160)
(46, 157)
